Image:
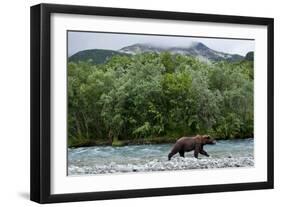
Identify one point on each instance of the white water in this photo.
(143, 158)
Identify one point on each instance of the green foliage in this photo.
(149, 95)
(168, 62)
(117, 143)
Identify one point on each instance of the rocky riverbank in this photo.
(177, 163)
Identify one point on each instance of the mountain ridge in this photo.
(97, 56)
(195, 49)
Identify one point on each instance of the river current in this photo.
(146, 158)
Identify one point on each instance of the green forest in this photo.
(157, 98)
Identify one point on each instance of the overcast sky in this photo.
(78, 41)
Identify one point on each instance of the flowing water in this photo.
(144, 158)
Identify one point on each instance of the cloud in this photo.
(78, 41)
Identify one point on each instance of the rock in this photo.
(177, 163)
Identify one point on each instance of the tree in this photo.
(154, 95)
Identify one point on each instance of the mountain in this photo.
(96, 56)
(141, 48)
(249, 56)
(196, 49)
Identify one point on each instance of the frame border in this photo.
(41, 96)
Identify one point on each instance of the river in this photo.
(145, 158)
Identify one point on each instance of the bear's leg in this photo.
(171, 154)
(174, 151)
(181, 153)
(195, 154)
(203, 152)
(197, 150)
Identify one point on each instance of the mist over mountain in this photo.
(196, 49)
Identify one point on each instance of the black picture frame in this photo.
(41, 95)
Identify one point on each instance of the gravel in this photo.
(176, 163)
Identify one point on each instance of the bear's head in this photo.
(206, 139)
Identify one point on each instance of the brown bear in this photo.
(187, 144)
